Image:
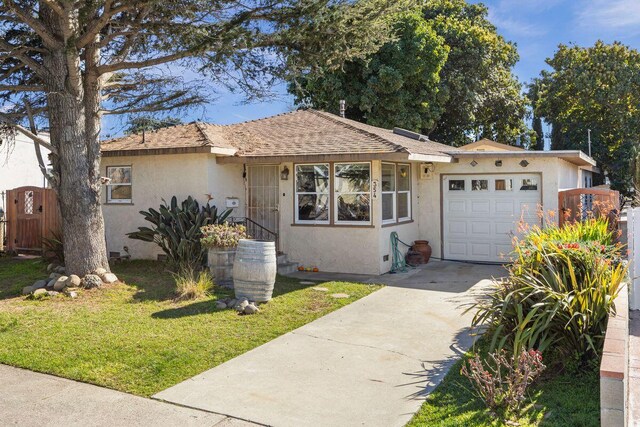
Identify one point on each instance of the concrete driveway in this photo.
(371, 363)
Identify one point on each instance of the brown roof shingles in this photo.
(302, 132)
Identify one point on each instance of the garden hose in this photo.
(399, 264)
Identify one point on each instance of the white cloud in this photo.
(610, 15)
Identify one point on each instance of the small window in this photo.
(456, 185)
(529, 184)
(504, 185)
(352, 193)
(119, 185)
(404, 192)
(388, 192)
(479, 184)
(312, 194)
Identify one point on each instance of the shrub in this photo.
(558, 294)
(502, 380)
(222, 235)
(192, 284)
(53, 247)
(177, 230)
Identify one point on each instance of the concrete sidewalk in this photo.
(32, 399)
(371, 363)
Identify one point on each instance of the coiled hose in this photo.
(399, 264)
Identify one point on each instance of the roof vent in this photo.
(409, 134)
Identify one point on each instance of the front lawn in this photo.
(566, 400)
(134, 337)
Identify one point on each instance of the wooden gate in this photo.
(32, 214)
(579, 203)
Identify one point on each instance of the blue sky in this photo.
(537, 26)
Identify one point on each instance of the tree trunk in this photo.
(74, 130)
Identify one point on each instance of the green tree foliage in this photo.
(595, 88)
(536, 120)
(447, 74)
(148, 123)
(398, 86)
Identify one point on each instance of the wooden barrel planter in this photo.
(254, 270)
(220, 262)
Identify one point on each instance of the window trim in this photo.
(336, 194)
(109, 185)
(296, 211)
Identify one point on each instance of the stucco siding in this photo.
(19, 165)
(568, 175)
(160, 177)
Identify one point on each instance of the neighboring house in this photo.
(335, 189)
(19, 164)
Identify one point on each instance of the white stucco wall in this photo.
(554, 173)
(160, 177)
(19, 164)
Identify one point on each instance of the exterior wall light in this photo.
(499, 163)
(474, 163)
(524, 163)
(284, 175)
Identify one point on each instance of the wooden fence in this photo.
(32, 214)
(578, 203)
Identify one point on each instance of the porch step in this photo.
(287, 267)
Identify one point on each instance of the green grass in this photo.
(563, 400)
(134, 337)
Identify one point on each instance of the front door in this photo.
(262, 206)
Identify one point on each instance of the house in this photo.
(334, 189)
(19, 164)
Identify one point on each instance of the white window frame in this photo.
(336, 194)
(110, 185)
(392, 192)
(296, 193)
(407, 192)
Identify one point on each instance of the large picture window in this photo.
(119, 185)
(352, 192)
(312, 194)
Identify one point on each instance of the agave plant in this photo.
(176, 229)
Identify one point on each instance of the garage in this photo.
(481, 213)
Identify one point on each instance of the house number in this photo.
(374, 188)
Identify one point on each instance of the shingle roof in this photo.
(302, 132)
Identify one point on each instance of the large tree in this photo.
(595, 88)
(69, 62)
(471, 92)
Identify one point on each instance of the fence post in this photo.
(633, 244)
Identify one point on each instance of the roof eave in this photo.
(572, 156)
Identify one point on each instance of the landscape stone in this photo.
(60, 270)
(305, 282)
(340, 296)
(52, 293)
(241, 305)
(73, 294)
(52, 283)
(54, 276)
(320, 288)
(232, 302)
(109, 278)
(74, 281)
(100, 271)
(61, 283)
(39, 293)
(51, 267)
(39, 284)
(220, 305)
(251, 309)
(91, 281)
(27, 290)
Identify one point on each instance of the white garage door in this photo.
(481, 213)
